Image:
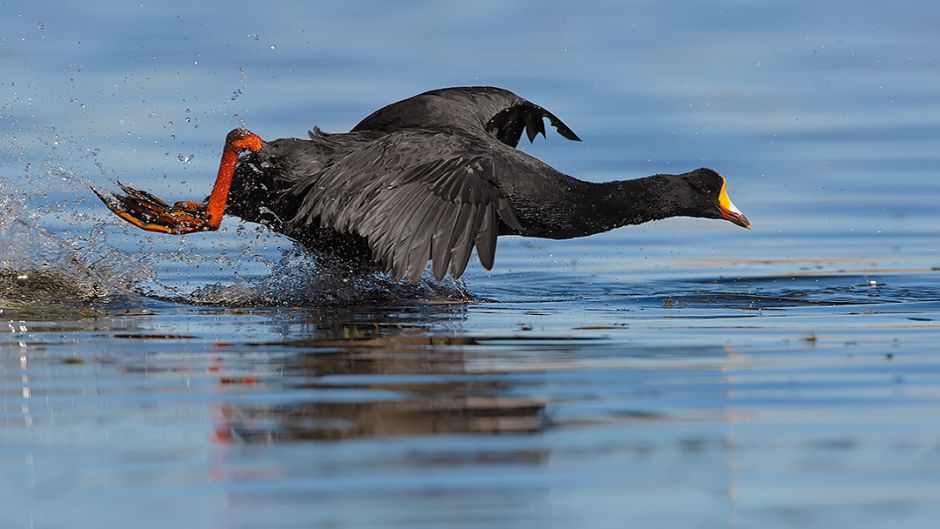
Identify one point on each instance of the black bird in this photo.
(427, 178)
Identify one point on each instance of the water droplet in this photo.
(274, 46)
(185, 158)
(40, 26)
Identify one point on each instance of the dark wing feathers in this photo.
(508, 124)
(462, 239)
(501, 113)
(426, 188)
(485, 239)
(412, 206)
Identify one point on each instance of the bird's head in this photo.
(708, 197)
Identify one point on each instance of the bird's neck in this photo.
(610, 205)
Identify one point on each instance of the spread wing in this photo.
(415, 196)
(507, 125)
(500, 112)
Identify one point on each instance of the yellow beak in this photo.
(728, 210)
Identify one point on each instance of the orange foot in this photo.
(151, 213)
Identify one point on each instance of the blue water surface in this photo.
(683, 373)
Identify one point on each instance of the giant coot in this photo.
(424, 179)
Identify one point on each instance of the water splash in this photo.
(53, 263)
(299, 279)
(45, 276)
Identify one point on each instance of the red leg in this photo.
(150, 213)
(238, 140)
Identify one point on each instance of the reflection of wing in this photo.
(414, 195)
(500, 112)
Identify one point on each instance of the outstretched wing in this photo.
(499, 112)
(507, 125)
(415, 196)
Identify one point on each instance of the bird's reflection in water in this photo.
(382, 380)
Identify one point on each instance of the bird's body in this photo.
(436, 175)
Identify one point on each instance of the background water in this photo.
(685, 373)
